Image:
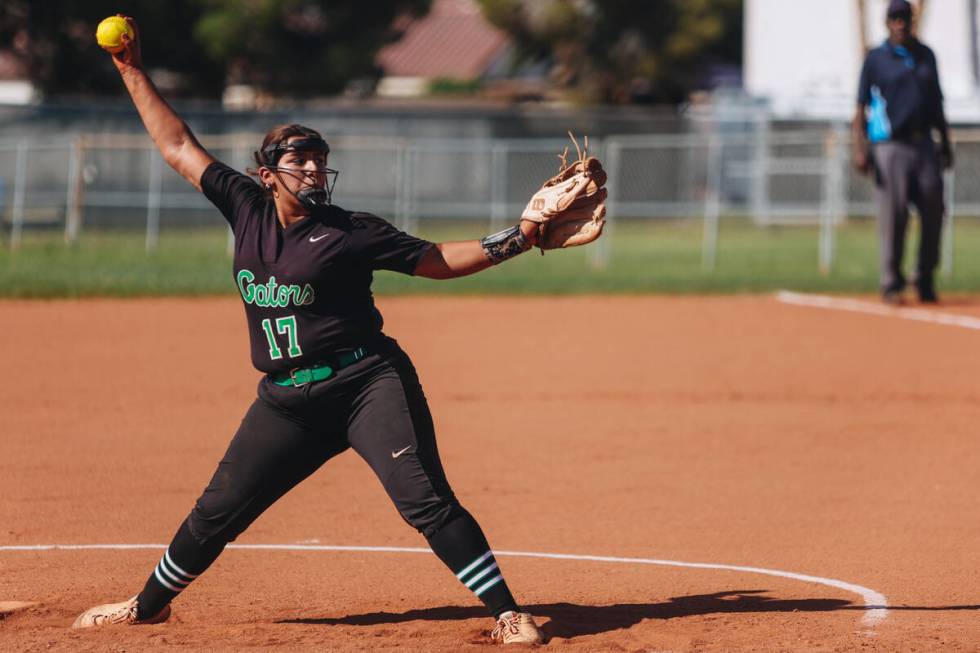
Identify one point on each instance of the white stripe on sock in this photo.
(173, 565)
(172, 576)
(156, 572)
(487, 585)
(470, 567)
(471, 582)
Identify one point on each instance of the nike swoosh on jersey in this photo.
(320, 237)
(395, 454)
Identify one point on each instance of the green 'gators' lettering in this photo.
(273, 294)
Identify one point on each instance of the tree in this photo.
(56, 41)
(623, 50)
(285, 47)
(300, 46)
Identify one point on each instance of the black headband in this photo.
(271, 154)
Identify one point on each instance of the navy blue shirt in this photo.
(306, 287)
(900, 89)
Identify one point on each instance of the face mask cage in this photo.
(310, 197)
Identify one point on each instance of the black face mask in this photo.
(310, 197)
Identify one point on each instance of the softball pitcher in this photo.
(332, 379)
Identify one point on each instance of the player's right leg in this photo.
(392, 429)
(893, 162)
(272, 451)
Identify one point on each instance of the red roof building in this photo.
(453, 41)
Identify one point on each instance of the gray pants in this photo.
(907, 172)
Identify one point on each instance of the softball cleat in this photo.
(517, 628)
(117, 613)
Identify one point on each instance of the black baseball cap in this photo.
(899, 9)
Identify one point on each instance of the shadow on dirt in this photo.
(571, 620)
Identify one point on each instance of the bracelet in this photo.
(504, 244)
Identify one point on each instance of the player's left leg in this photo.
(391, 428)
(927, 195)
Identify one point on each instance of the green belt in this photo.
(320, 372)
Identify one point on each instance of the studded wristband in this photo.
(504, 244)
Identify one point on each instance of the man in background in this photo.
(899, 105)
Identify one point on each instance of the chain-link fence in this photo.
(768, 176)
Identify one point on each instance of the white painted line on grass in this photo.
(875, 603)
(870, 308)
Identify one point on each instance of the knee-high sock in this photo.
(184, 560)
(461, 545)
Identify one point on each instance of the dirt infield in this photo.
(726, 431)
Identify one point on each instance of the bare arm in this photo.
(859, 135)
(859, 141)
(460, 258)
(170, 134)
(945, 145)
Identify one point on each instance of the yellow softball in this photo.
(109, 33)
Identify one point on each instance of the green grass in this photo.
(648, 257)
(116, 264)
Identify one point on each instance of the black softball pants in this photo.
(908, 173)
(376, 407)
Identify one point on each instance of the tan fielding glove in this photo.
(570, 207)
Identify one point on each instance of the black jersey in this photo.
(306, 287)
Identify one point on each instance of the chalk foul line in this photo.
(875, 603)
(871, 308)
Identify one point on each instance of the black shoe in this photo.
(892, 297)
(927, 292)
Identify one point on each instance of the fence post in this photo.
(410, 223)
(761, 212)
(712, 202)
(498, 185)
(153, 201)
(949, 179)
(20, 183)
(598, 254)
(400, 202)
(73, 203)
(832, 199)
